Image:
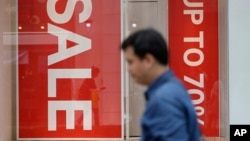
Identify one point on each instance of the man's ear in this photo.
(149, 60)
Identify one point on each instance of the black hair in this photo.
(95, 71)
(147, 41)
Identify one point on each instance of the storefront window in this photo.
(64, 77)
(64, 69)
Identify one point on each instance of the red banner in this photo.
(193, 45)
(69, 72)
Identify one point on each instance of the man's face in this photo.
(136, 66)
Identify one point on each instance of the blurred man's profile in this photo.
(169, 114)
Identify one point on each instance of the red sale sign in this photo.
(69, 72)
(193, 45)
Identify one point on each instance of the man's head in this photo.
(95, 71)
(146, 52)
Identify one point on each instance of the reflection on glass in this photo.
(89, 90)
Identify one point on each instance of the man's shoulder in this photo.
(172, 85)
(170, 91)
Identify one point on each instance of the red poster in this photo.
(69, 72)
(193, 45)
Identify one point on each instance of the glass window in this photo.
(63, 75)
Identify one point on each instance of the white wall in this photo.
(1, 74)
(7, 80)
(239, 61)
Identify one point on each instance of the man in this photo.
(90, 91)
(169, 113)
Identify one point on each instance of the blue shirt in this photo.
(169, 113)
